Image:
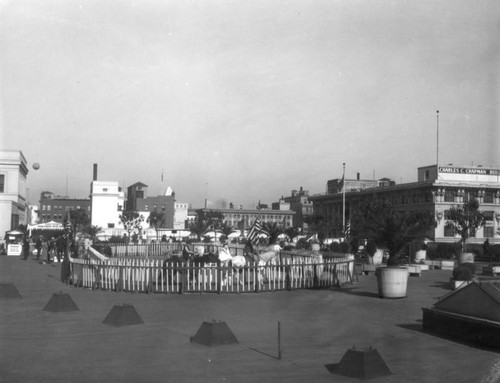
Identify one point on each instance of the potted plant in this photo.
(393, 230)
(462, 275)
(466, 219)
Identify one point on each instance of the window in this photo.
(146, 207)
(469, 195)
(111, 225)
(2, 183)
(488, 197)
(104, 189)
(449, 196)
(489, 232)
(488, 215)
(449, 230)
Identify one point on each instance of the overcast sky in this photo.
(241, 101)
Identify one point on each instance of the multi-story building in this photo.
(243, 219)
(56, 208)
(175, 214)
(302, 206)
(13, 202)
(181, 216)
(438, 188)
(107, 202)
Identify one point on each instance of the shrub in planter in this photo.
(345, 247)
(335, 247)
(464, 272)
(447, 250)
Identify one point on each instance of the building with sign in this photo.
(437, 189)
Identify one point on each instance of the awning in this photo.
(52, 225)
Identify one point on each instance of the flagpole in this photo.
(343, 198)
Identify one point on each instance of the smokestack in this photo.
(95, 173)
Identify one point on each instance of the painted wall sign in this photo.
(457, 170)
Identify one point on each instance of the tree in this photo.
(227, 229)
(389, 228)
(131, 221)
(198, 228)
(212, 218)
(92, 231)
(273, 230)
(79, 219)
(156, 220)
(466, 219)
(292, 232)
(316, 225)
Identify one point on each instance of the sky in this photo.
(244, 101)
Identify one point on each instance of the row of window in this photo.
(449, 196)
(488, 231)
(489, 215)
(59, 207)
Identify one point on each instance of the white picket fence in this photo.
(154, 275)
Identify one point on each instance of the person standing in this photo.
(26, 248)
(38, 247)
(50, 249)
(60, 248)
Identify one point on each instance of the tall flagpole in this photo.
(437, 140)
(343, 197)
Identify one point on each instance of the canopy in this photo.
(52, 225)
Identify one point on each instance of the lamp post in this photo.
(343, 197)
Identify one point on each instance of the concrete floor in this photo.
(317, 328)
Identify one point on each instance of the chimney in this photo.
(95, 173)
(357, 176)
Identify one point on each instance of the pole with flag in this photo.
(255, 230)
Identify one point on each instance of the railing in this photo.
(155, 275)
(142, 250)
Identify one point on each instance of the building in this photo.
(56, 208)
(299, 203)
(181, 216)
(13, 201)
(437, 189)
(107, 202)
(243, 219)
(135, 192)
(174, 213)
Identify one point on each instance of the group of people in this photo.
(51, 250)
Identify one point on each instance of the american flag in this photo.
(253, 234)
(341, 185)
(347, 230)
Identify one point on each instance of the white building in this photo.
(180, 215)
(107, 202)
(13, 203)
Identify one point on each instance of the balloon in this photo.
(36, 166)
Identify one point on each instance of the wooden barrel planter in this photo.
(392, 282)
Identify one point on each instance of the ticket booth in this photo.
(14, 242)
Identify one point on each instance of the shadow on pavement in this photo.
(360, 293)
(442, 285)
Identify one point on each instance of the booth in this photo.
(14, 242)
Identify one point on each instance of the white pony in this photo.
(228, 260)
(269, 257)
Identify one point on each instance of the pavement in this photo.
(317, 329)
